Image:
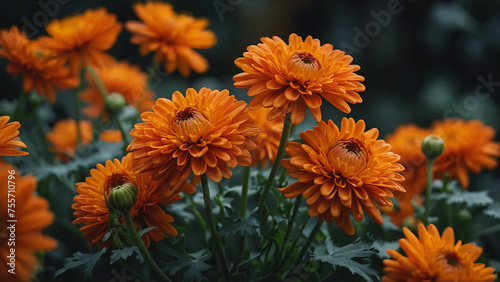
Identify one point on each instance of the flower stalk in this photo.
(432, 147)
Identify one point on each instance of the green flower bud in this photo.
(123, 197)
(464, 216)
(115, 102)
(35, 100)
(432, 146)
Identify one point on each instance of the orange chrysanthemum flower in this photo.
(9, 141)
(82, 39)
(172, 36)
(268, 140)
(293, 77)
(406, 141)
(206, 132)
(431, 257)
(64, 137)
(122, 78)
(91, 209)
(32, 215)
(39, 73)
(111, 135)
(468, 145)
(343, 170)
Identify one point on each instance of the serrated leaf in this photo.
(236, 225)
(79, 259)
(122, 253)
(383, 246)
(146, 230)
(470, 199)
(344, 257)
(493, 211)
(194, 270)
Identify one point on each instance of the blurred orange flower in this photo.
(268, 140)
(32, 214)
(343, 170)
(172, 36)
(122, 78)
(111, 135)
(468, 145)
(39, 73)
(9, 140)
(64, 137)
(432, 257)
(91, 209)
(205, 132)
(82, 39)
(293, 77)
(406, 141)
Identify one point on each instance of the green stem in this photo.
(244, 191)
(288, 231)
(140, 245)
(77, 112)
(281, 150)
(430, 163)
(486, 231)
(213, 229)
(41, 132)
(305, 248)
(197, 214)
(121, 128)
(98, 82)
(20, 103)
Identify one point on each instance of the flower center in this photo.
(452, 259)
(190, 125)
(351, 152)
(303, 62)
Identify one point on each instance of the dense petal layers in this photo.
(343, 170)
(91, 209)
(42, 74)
(295, 76)
(64, 137)
(9, 141)
(32, 214)
(171, 36)
(268, 139)
(203, 132)
(432, 257)
(121, 78)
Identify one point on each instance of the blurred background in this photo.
(422, 60)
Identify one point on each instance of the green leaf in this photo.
(348, 256)
(383, 246)
(457, 195)
(493, 211)
(146, 230)
(122, 253)
(79, 259)
(236, 225)
(194, 266)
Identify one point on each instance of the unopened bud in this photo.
(115, 102)
(123, 197)
(432, 146)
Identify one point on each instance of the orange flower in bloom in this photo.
(111, 135)
(207, 132)
(431, 257)
(292, 77)
(32, 215)
(406, 142)
(268, 140)
(64, 137)
(9, 142)
(91, 209)
(122, 78)
(82, 39)
(468, 145)
(172, 36)
(39, 73)
(343, 170)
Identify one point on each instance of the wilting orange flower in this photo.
(82, 39)
(431, 257)
(468, 145)
(206, 132)
(64, 137)
(172, 36)
(91, 209)
(122, 78)
(9, 141)
(268, 140)
(111, 135)
(39, 73)
(293, 77)
(343, 170)
(406, 141)
(32, 215)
